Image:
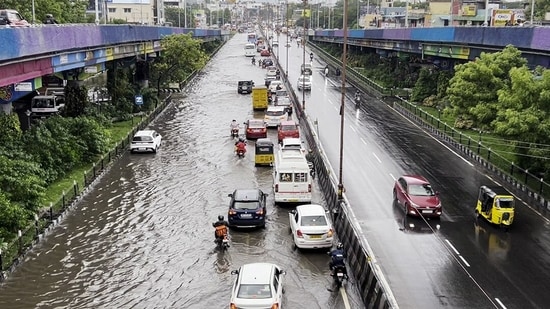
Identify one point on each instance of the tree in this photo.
(64, 11)
(76, 100)
(12, 218)
(426, 85)
(472, 91)
(181, 55)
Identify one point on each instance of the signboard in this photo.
(469, 10)
(26, 86)
(501, 18)
(138, 100)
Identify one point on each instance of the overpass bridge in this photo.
(30, 53)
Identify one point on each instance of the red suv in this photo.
(417, 196)
(288, 128)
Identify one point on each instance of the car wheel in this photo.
(155, 150)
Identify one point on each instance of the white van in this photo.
(250, 50)
(291, 179)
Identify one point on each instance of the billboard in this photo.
(469, 10)
(501, 18)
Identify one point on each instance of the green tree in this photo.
(181, 55)
(64, 11)
(12, 218)
(76, 100)
(426, 85)
(10, 128)
(472, 91)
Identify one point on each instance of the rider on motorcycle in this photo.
(357, 97)
(253, 60)
(221, 228)
(234, 126)
(326, 70)
(240, 145)
(311, 56)
(337, 257)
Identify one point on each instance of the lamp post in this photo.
(342, 101)
(287, 44)
(33, 14)
(179, 13)
(304, 56)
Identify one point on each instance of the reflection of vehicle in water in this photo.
(415, 224)
(496, 244)
(496, 205)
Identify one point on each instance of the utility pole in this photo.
(305, 20)
(342, 105)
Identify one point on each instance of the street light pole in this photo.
(179, 13)
(342, 101)
(287, 45)
(305, 20)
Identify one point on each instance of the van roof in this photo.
(257, 273)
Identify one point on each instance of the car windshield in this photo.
(304, 79)
(142, 139)
(254, 291)
(314, 221)
(274, 113)
(421, 190)
(246, 205)
(282, 93)
(504, 202)
(289, 128)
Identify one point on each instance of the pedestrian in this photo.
(50, 20)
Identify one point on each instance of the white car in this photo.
(310, 227)
(274, 115)
(257, 285)
(146, 140)
(304, 82)
(273, 86)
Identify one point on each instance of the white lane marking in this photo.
(352, 128)
(500, 303)
(393, 177)
(345, 297)
(435, 139)
(364, 142)
(457, 253)
(464, 260)
(376, 157)
(452, 247)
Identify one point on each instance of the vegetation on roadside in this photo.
(37, 163)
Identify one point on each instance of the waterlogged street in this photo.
(142, 236)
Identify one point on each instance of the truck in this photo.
(50, 103)
(259, 98)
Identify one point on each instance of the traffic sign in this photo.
(138, 100)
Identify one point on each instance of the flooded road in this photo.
(142, 237)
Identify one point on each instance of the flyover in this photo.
(30, 53)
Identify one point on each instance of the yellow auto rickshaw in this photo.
(264, 152)
(496, 205)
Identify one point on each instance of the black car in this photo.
(247, 208)
(245, 86)
(267, 62)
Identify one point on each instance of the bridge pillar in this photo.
(6, 108)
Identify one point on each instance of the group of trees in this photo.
(32, 160)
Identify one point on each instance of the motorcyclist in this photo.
(221, 228)
(234, 126)
(50, 20)
(311, 56)
(240, 145)
(326, 70)
(337, 257)
(253, 60)
(338, 72)
(357, 97)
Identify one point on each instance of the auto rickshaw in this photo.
(496, 205)
(264, 152)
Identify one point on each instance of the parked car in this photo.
(265, 53)
(245, 86)
(274, 115)
(417, 196)
(255, 128)
(304, 82)
(247, 208)
(146, 140)
(288, 128)
(257, 285)
(310, 227)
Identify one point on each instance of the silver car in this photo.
(146, 140)
(258, 285)
(304, 82)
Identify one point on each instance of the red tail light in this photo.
(299, 234)
(276, 188)
(309, 188)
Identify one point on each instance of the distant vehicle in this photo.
(285, 102)
(288, 129)
(146, 140)
(275, 84)
(255, 128)
(250, 50)
(306, 69)
(247, 208)
(245, 86)
(51, 103)
(265, 53)
(251, 37)
(275, 43)
(13, 18)
(496, 205)
(260, 99)
(304, 82)
(291, 181)
(257, 285)
(267, 62)
(310, 226)
(416, 195)
(274, 115)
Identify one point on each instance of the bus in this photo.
(250, 50)
(252, 37)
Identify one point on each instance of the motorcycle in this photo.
(311, 169)
(357, 101)
(339, 274)
(234, 132)
(253, 61)
(326, 72)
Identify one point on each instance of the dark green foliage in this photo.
(425, 86)
(12, 218)
(76, 100)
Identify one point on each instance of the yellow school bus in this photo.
(259, 98)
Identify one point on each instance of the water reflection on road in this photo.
(142, 237)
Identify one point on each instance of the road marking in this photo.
(345, 297)
(393, 177)
(364, 142)
(376, 157)
(452, 247)
(464, 260)
(352, 128)
(500, 303)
